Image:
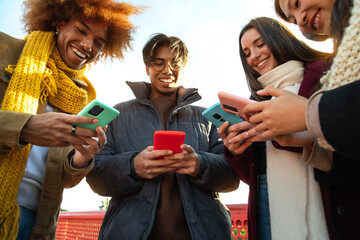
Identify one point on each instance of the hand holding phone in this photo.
(218, 116)
(169, 140)
(232, 103)
(97, 109)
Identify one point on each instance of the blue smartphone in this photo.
(218, 116)
(97, 109)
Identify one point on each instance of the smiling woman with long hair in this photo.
(332, 114)
(272, 56)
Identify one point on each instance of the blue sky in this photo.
(209, 28)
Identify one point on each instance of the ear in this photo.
(147, 70)
(59, 26)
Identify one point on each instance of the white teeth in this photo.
(316, 21)
(79, 53)
(261, 63)
(166, 81)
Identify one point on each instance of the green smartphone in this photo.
(218, 116)
(97, 109)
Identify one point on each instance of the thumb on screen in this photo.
(270, 91)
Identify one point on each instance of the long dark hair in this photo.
(283, 45)
(340, 20)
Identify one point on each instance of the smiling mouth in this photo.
(315, 21)
(78, 53)
(262, 63)
(166, 80)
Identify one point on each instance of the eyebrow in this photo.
(288, 4)
(289, 7)
(255, 41)
(86, 26)
(158, 59)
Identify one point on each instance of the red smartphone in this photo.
(232, 103)
(171, 140)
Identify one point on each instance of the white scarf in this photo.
(295, 203)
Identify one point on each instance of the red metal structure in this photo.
(79, 225)
(239, 223)
(86, 225)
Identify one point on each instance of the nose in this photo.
(301, 19)
(256, 53)
(87, 43)
(167, 68)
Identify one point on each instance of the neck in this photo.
(172, 94)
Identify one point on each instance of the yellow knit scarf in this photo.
(40, 74)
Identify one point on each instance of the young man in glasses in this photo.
(174, 197)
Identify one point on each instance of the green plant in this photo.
(104, 204)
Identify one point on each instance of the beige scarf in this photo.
(296, 209)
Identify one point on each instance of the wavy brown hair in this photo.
(44, 14)
(283, 45)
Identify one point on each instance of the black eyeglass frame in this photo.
(161, 68)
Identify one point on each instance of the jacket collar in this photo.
(142, 90)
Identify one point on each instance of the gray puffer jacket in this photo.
(134, 200)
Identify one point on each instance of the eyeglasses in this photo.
(159, 65)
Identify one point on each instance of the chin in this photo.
(316, 37)
(169, 90)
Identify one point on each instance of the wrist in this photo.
(25, 132)
(78, 164)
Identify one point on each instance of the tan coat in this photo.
(58, 174)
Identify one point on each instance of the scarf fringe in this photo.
(9, 223)
(48, 86)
